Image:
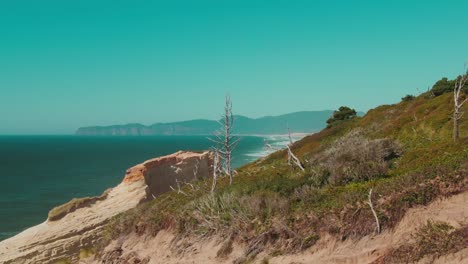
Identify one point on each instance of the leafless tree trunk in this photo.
(215, 169)
(457, 115)
(225, 139)
(377, 223)
(291, 156)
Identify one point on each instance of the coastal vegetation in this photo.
(403, 152)
(433, 240)
(408, 97)
(343, 113)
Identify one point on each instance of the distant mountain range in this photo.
(299, 122)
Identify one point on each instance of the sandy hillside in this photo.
(159, 249)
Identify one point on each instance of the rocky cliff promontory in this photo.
(79, 224)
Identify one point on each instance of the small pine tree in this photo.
(408, 98)
(343, 113)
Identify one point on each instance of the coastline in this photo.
(75, 166)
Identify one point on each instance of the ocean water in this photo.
(38, 173)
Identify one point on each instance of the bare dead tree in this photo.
(291, 157)
(457, 114)
(377, 223)
(216, 169)
(225, 138)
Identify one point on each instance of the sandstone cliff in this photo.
(79, 223)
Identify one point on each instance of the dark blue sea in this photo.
(38, 173)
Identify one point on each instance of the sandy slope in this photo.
(453, 210)
(48, 241)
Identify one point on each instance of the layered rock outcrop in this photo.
(79, 225)
(161, 173)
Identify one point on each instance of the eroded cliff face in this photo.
(63, 237)
(160, 174)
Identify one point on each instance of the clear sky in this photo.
(66, 64)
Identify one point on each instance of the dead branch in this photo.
(291, 156)
(179, 190)
(189, 184)
(457, 114)
(373, 211)
(294, 158)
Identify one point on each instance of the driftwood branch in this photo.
(377, 223)
(179, 190)
(457, 114)
(291, 157)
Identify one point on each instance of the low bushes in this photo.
(408, 98)
(229, 212)
(343, 113)
(354, 157)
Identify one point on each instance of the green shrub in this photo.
(445, 85)
(408, 98)
(343, 113)
(353, 157)
(442, 86)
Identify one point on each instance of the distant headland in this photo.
(298, 122)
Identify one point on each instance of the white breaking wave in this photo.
(277, 142)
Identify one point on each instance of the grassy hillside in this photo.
(404, 152)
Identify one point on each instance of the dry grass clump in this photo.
(354, 157)
(226, 248)
(433, 240)
(229, 212)
(306, 194)
(279, 237)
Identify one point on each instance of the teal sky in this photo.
(66, 64)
